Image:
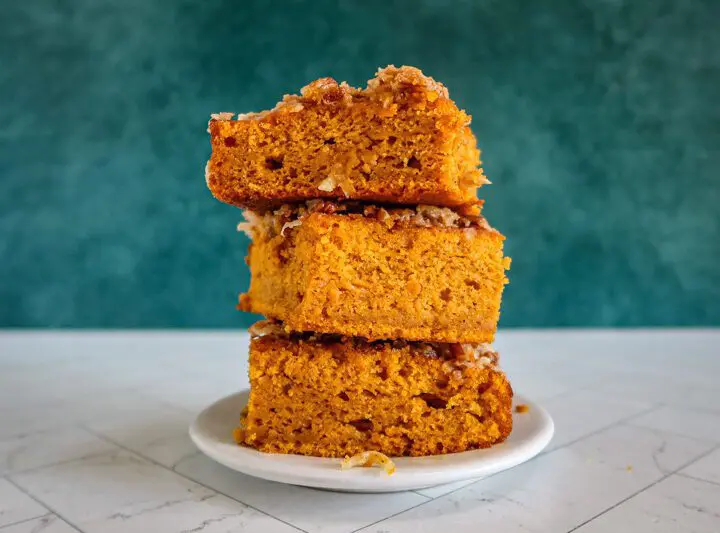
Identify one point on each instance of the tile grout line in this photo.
(694, 478)
(705, 410)
(663, 478)
(541, 454)
(50, 465)
(188, 478)
(671, 432)
(546, 452)
(585, 388)
(46, 506)
(167, 404)
(197, 452)
(49, 513)
(678, 406)
(428, 498)
(616, 423)
(393, 515)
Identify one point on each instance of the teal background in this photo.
(599, 124)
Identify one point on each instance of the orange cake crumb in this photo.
(400, 140)
(330, 396)
(522, 408)
(422, 273)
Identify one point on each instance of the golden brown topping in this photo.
(222, 116)
(456, 356)
(329, 92)
(390, 84)
(289, 216)
(405, 77)
(266, 327)
(217, 116)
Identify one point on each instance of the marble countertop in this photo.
(93, 438)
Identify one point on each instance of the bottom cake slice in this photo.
(332, 396)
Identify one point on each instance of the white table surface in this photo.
(93, 438)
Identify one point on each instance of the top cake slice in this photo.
(400, 140)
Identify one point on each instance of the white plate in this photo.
(212, 433)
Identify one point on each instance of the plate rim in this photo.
(324, 473)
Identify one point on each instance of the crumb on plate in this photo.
(368, 459)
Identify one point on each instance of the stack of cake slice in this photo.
(380, 279)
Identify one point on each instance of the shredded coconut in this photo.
(328, 184)
(253, 222)
(400, 78)
(455, 357)
(265, 327)
(219, 116)
(390, 85)
(459, 357)
(423, 216)
(222, 116)
(290, 225)
(346, 188)
(368, 459)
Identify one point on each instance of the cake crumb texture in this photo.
(358, 276)
(313, 396)
(400, 140)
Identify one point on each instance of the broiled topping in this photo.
(456, 356)
(391, 86)
(222, 116)
(288, 216)
(266, 327)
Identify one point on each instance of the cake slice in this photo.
(422, 273)
(401, 140)
(329, 396)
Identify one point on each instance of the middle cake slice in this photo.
(423, 273)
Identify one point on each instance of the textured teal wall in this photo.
(599, 122)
